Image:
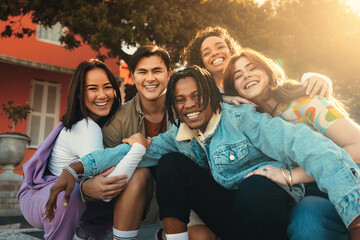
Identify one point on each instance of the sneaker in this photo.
(80, 234)
(160, 234)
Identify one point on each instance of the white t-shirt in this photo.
(83, 138)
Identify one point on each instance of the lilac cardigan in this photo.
(34, 168)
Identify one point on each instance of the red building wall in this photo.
(32, 49)
(15, 85)
(15, 79)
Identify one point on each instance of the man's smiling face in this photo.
(151, 77)
(187, 104)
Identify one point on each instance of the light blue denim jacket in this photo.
(240, 140)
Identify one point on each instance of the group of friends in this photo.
(208, 152)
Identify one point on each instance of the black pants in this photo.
(263, 207)
(246, 213)
(312, 189)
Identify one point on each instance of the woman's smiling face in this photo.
(99, 94)
(251, 82)
(214, 54)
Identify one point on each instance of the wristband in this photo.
(71, 171)
(288, 181)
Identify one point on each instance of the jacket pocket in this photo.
(231, 153)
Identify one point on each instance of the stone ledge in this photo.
(9, 204)
(10, 212)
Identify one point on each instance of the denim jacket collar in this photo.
(185, 133)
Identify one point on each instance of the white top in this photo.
(129, 163)
(83, 138)
(308, 75)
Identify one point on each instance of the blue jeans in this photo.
(316, 218)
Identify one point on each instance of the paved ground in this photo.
(16, 228)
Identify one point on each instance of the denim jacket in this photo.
(239, 140)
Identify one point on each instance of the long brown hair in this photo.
(75, 106)
(283, 90)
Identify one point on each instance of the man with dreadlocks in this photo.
(206, 153)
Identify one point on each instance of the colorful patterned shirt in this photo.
(317, 113)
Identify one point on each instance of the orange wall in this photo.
(15, 80)
(31, 49)
(15, 85)
(125, 73)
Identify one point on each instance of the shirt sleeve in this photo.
(318, 113)
(129, 163)
(100, 160)
(87, 137)
(308, 75)
(287, 142)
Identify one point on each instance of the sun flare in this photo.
(353, 4)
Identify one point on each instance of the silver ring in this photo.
(270, 175)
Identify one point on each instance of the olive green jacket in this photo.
(128, 120)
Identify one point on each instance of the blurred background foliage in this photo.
(306, 35)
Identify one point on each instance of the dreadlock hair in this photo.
(208, 92)
(192, 55)
(76, 109)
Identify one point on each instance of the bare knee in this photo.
(200, 232)
(141, 181)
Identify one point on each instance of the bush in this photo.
(15, 113)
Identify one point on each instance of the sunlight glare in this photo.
(353, 4)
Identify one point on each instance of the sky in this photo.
(354, 4)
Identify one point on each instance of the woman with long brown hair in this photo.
(92, 101)
(261, 80)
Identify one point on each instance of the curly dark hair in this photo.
(191, 54)
(207, 90)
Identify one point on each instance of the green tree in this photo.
(316, 35)
(307, 35)
(113, 23)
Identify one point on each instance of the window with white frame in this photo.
(45, 102)
(50, 34)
